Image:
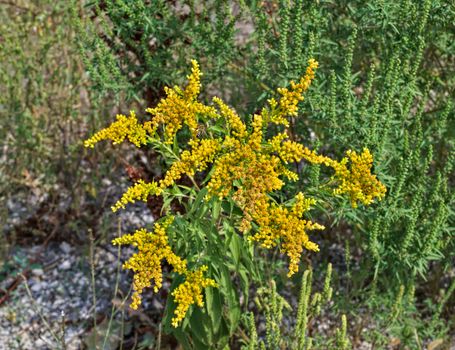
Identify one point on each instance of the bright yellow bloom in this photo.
(257, 171)
(193, 88)
(358, 182)
(286, 226)
(291, 97)
(237, 127)
(202, 153)
(119, 130)
(153, 248)
(146, 263)
(190, 292)
(255, 139)
(139, 191)
(180, 108)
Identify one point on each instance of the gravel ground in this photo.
(59, 299)
(60, 290)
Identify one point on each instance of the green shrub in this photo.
(136, 48)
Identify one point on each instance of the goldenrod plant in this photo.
(235, 170)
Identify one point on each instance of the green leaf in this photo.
(197, 202)
(182, 338)
(230, 293)
(199, 325)
(216, 209)
(245, 283)
(171, 306)
(214, 307)
(235, 248)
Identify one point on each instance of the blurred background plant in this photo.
(45, 109)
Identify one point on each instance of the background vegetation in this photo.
(386, 80)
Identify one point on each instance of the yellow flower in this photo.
(237, 127)
(286, 226)
(139, 191)
(153, 248)
(119, 130)
(193, 88)
(190, 292)
(201, 154)
(255, 139)
(146, 263)
(180, 108)
(291, 97)
(358, 182)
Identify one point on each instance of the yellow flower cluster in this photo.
(358, 182)
(202, 153)
(117, 132)
(146, 263)
(237, 127)
(291, 97)
(287, 226)
(190, 292)
(193, 88)
(253, 165)
(153, 248)
(139, 191)
(244, 165)
(180, 107)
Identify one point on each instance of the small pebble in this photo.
(66, 265)
(65, 247)
(36, 287)
(38, 272)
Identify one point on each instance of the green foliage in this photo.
(135, 48)
(397, 319)
(309, 310)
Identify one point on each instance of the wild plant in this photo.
(133, 49)
(309, 309)
(235, 171)
(42, 92)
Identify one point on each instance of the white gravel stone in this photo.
(66, 265)
(38, 272)
(36, 287)
(65, 247)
